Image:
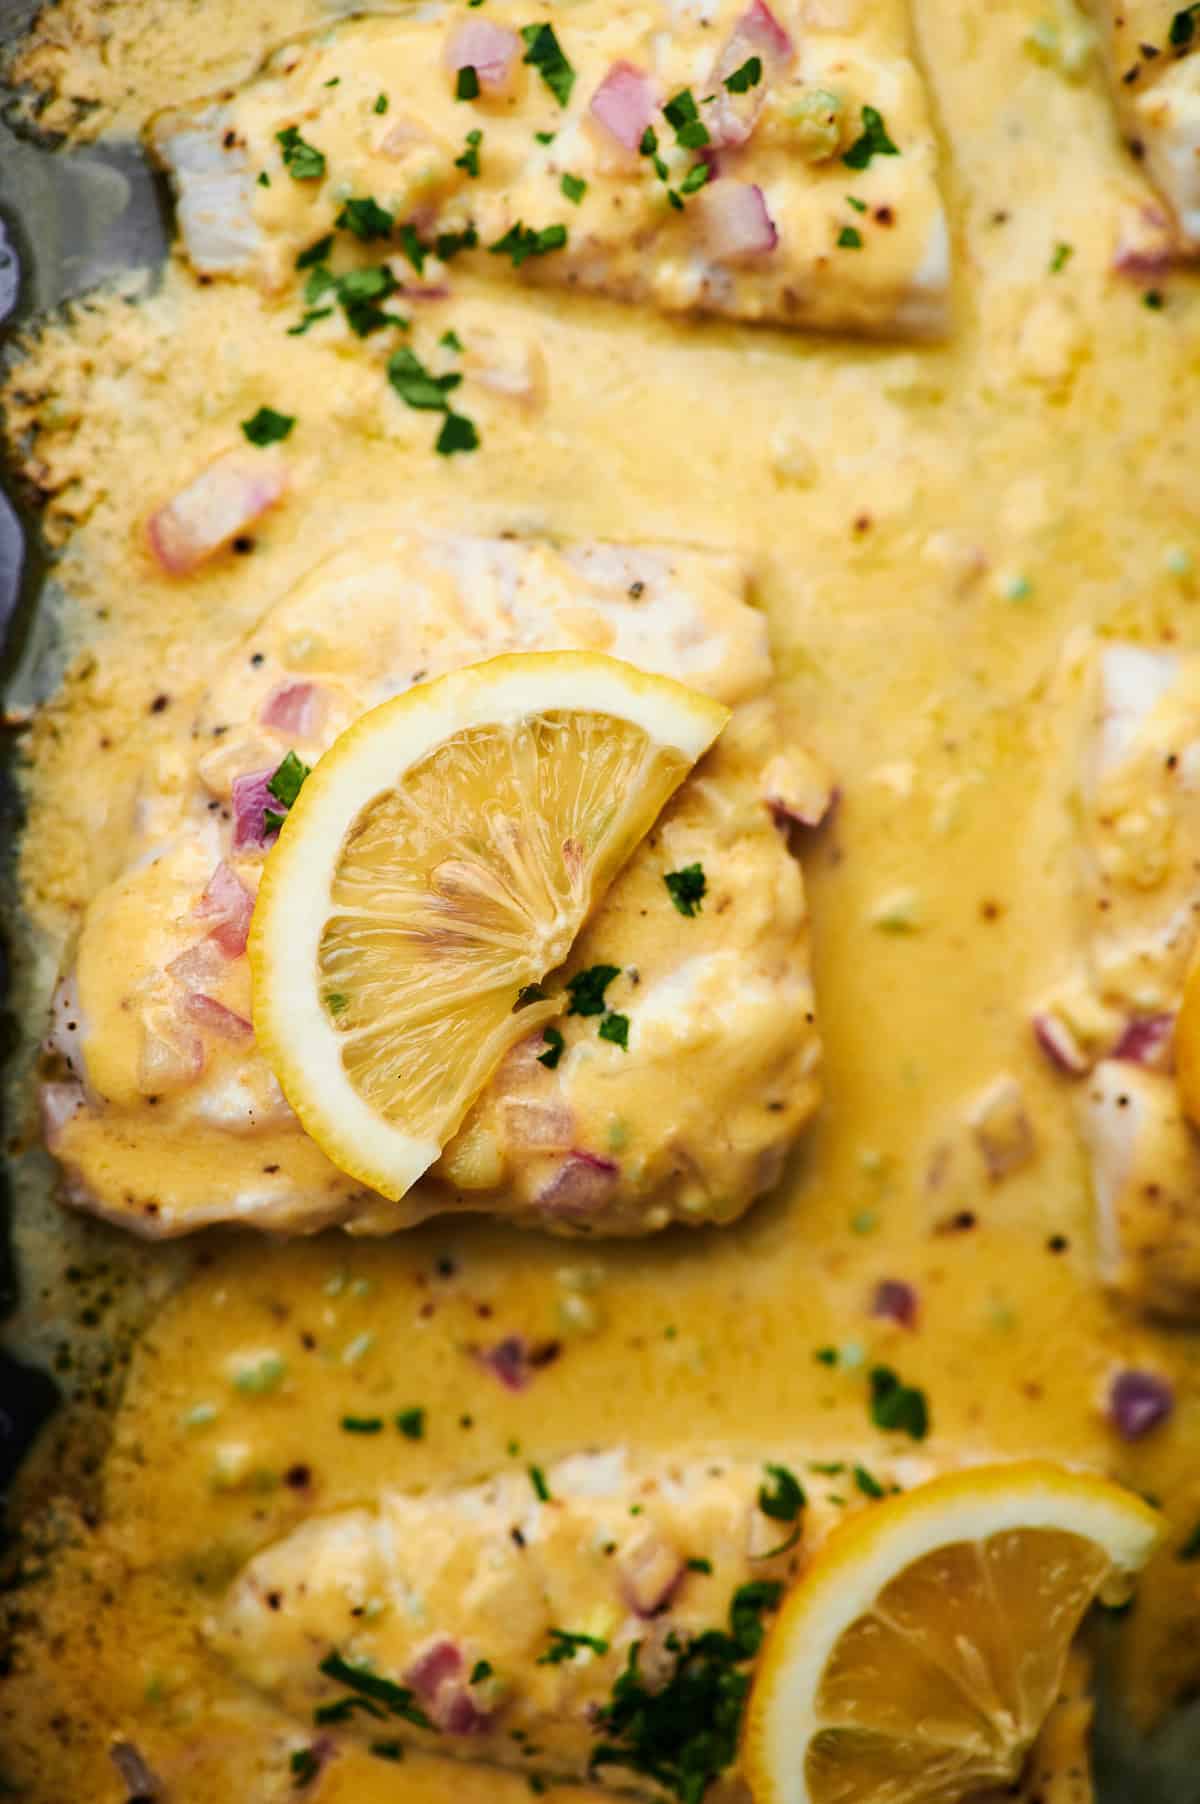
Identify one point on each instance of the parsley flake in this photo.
(305, 1765)
(870, 1487)
(687, 888)
(481, 1670)
(850, 239)
(289, 779)
(537, 1479)
(745, 78)
(466, 85)
(586, 989)
(386, 1750)
(574, 187)
(458, 433)
(683, 114)
(418, 387)
(1061, 257)
(1183, 28)
(897, 1407)
(411, 1423)
(521, 242)
(303, 162)
(852, 200)
(267, 427)
(544, 53)
(412, 247)
(469, 160)
(874, 141)
(397, 1700)
(381, 104)
(452, 342)
(697, 175)
(366, 219)
(615, 1028)
(554, 1048)
(316, 253)
(783, 1497)
(699, 1566)
(564, 1645)
(362, 1424)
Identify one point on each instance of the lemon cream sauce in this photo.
(927, 528)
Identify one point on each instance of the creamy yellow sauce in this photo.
(928, 526)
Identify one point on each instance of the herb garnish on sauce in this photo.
(544, 52)
(586, 989)
(687, 888)
(303, 162)
(267, 427)
(897, 1407)
(564, 1645)
(381, 1696)
(874, 141)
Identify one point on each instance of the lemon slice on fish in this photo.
(920, 1655)
(438, 862)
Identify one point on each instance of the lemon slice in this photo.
(440, 859)
(918, 1658)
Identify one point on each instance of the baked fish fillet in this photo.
(1155, 70)
(762, 162)
(155, 1099)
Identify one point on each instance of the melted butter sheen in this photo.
(928, 526)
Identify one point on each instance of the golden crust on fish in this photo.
(687, 157)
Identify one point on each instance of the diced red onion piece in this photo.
(57, 1105)
(759, 27)
(140, 1781)
(1147, 244)
(227, 496)
(513, 1361)
(439, 1660)
(731, 118)
(895, 1301)
(217, 1018)
(228, 904)
(624, 104)
(581, 1186)
(535, 1124)
(491, 50)
(1146, 1042)
(199, 968)
(650, 1572)
(457, 1713)
(1138, 1402)
(1059, 1045)
(251, 800)
(294, 709)
(736, 223)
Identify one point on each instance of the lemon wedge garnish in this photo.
(918, 1658)
(440, 859)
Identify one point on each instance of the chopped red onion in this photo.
(251, 800)
(513, 1361)
(550, 1125)
(650, 1572)
(218, 504)
(1147, 1042)
(582, 1185)
(1146, 244)
(895, 1301)
(624, 104)
(217, 1018)
(759, 28)
(439, 1660)
(736, 223)
(228, 904)
(491, 50)
(142, 1784)
(731, 118)
(293, 709)
(1059, 1045)
(1138, 1402)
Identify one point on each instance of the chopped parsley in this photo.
(411, 1423)
(783, 1497)
(586, 989)
(554, 1048)
(303, 162)
(458, 433)
(419, 388)
(870, 1487)
(267, 427)
(564, 1645)
(412, 247)
(289, 779)
(305, 1764)
(545, 137)
(695, 178)
(366, 219)
(264, 180)
(362, 1424)
(896, 1407)
(537, 1479)
(1190, 1549)
(360, 294)
(466, 85)
(852, 200)
(826, 1356)
(381, 1695)
(1062, 256)
(386, 1750)
(448, 244)
(545, 54)
(453, 342)
(528, 992)
(683, 1733)
(874, 141)
(687, 888)
(381, 104)
(521, 242)
(1183, 28)
(683, 114)
(850, 239)
(469, 160)
(1154, 300)
(481, 1670)
(745, 78)
(699, 1565)
(827, 1468)
(316, 253)
(574, 187)
(615, 1028)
